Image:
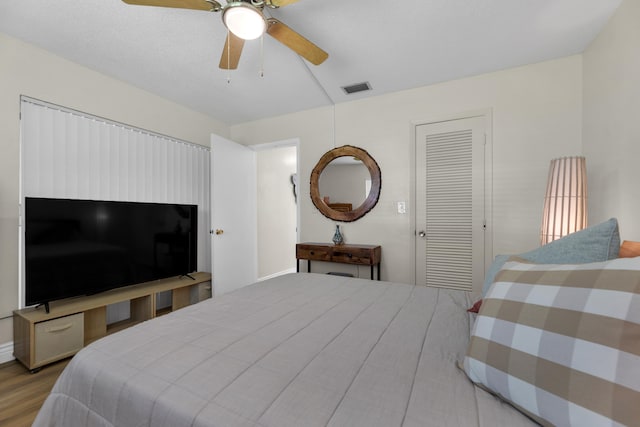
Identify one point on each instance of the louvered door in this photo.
(450, 189)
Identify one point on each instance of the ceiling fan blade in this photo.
(231, 52)
(282, 3)
(296, 42)
(181, 4)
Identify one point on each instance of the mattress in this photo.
(298, 350)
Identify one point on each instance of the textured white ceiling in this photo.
(392, 45)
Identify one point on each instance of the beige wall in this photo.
(537, 113)
(27, 70)
(611, 121)
(276, 211)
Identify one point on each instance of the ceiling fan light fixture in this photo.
(244, 20)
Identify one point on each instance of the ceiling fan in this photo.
(245, 20)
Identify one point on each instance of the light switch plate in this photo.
(402, 207)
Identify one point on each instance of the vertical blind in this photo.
(449, 210)
(70, 154)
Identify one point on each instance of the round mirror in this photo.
(345, 184)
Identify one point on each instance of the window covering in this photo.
(70, 154)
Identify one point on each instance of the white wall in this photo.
(611, 121)
(537, 112)
(276, 211)
(28, 70)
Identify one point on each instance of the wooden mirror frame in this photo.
(374, 193)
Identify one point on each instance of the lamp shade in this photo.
(565, 202)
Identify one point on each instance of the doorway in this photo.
(277, 207)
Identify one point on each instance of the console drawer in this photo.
(58, 338)
(315, 254)
(352, 256)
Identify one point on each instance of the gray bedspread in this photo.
(298, 350)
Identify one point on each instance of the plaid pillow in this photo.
(562, 342)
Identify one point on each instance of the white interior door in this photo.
(450, 203)
(233, 215)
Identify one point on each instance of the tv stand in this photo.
(42, 337)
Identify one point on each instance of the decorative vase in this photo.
(337, 236)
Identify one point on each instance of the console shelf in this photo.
(41, 338)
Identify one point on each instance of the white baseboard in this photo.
(280, 273)
(6, 352)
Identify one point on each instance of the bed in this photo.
(301, 349)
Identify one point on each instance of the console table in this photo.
(346, 254)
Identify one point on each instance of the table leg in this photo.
(309, 266)
(378, 271)
(297, 266)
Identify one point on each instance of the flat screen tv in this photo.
(82, 247)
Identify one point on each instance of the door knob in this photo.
(422, 233)
(219, 231)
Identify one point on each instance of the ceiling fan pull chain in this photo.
(262, 55)
(228, 56)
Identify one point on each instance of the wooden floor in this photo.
(22, 393)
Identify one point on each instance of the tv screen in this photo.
(81, 247)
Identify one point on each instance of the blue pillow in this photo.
(600, 242)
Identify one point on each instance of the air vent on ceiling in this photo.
(358, 87)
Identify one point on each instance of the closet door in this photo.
(450, 203)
